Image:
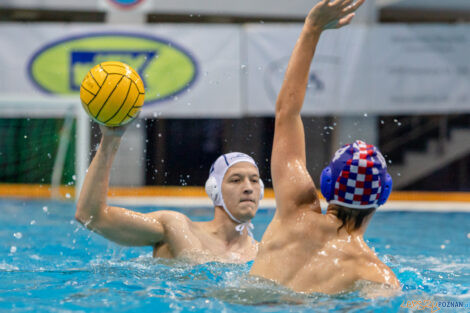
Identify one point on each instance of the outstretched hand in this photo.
(329, 14)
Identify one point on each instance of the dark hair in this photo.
(352, 218)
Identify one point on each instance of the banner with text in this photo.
(233, 71)
(188, 71)
(359, 70)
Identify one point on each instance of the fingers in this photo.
(345, 20)
(336, 3)
(346, 3)
(353, 7)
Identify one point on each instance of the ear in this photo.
(327, 183)
(386, 189)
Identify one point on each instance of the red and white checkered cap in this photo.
(359, 184)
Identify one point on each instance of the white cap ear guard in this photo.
(212, 190)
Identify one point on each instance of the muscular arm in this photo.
(117, 224)
(293, 186)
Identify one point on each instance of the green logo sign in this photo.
(165, 68)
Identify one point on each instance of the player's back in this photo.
(306, 252)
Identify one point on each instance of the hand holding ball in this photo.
(112, 93)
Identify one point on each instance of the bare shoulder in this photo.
(375, 270)
(170, 217)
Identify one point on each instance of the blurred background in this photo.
(398, 77)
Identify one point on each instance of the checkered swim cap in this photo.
(357, 177)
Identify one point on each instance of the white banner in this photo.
(232, 71)
(188, 71)
(358, 69)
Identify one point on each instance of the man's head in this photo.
(235, 185)
(356, 179)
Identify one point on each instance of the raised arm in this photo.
(292, 183)
(117, 224)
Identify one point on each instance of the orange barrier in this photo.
(45, 191)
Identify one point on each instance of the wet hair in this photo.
(352, 218)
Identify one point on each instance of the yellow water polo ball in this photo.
(112, 93)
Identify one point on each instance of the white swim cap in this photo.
(214, 184)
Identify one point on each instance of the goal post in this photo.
(43, 140)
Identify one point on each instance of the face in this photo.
(241, 190)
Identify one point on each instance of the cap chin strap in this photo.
(241, 225)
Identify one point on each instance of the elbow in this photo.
(81, 218)
(79, 214)
(84, 218)
(287, 108)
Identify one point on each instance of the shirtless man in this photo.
(303, 249)
(234, 186)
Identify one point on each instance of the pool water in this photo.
(50, 263)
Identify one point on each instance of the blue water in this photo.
(50, 263)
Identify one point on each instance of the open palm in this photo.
(333, 14)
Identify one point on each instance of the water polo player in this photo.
(302, 248)
(234, 186)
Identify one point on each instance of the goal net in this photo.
(43, 141)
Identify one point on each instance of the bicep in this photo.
(293, 185)
(129, 228)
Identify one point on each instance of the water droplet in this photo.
(387, 247)
(159, 135)
(243, 66)
(398, 174)
(382, 122)
(49, 156)
(44, 208)
(25, 137)
(74, 177)
(365, 114)
(443, 247)
(33, 222)
(18, 235)
(468, 235)
(137, 125)
(12, 249)
(67, 195)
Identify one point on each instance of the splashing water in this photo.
(64, 267)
